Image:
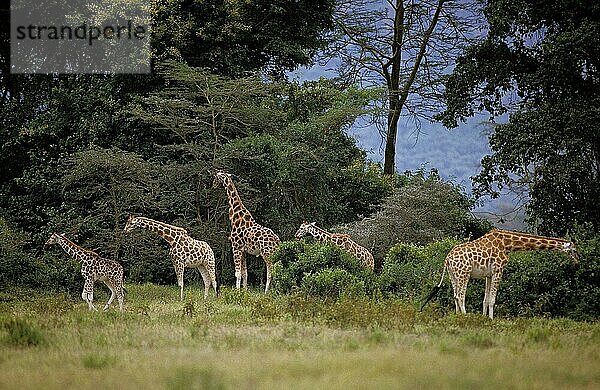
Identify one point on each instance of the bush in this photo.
(333, 283)
(410, 271)
(548, 283)
(16, 266)
(22, 334)
(319, 269)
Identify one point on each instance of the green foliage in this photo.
(21, 333)
(333, 283)
(549, 283)
(16, 266)
(409, 270)
(321, 270)
(543, 53)
(235, 37)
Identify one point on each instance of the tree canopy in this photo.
(540, 64)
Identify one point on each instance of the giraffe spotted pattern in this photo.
(93, 268)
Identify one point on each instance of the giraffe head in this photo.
(132, 223)
(54, 239)
(221, 178)
(571, 251)
(303, 229)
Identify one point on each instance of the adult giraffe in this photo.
(185, 251)
(486, 258)
(247, 236)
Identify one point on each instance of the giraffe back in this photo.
(193, 252)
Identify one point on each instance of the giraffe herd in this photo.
(483, 258)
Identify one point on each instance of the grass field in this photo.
(249, 340)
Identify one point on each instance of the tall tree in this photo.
(540, 62)
(405, 45)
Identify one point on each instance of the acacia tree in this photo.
(405, 45)
(540, 63)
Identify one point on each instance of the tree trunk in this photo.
(389, 155)
(397, 98)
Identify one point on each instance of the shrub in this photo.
(423, 209)
(333, 283)
(16, 266)
(409, 270)
(23, 334)
(549, 283)
(319, 269)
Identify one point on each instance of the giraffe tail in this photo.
(434, 291)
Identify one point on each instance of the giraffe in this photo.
(341, 240)
(93, 268)
(486, 258)
(247, 236)
(185, 251)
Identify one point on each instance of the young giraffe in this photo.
(246, 235)
(93, 268)
(185, 251)
(486, 258)
(341, 240)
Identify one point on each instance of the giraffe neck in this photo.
(168, 232)
(74, 250)
(524, 242)
(236, 206)
(319, 233)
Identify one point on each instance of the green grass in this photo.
(244, 339)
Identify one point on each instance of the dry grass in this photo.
(248, 340)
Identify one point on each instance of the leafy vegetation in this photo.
(422, 208)
(319, 270)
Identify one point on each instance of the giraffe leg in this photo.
(455, 289)
(88, 294)
(237, 261)
(205, 278)
(268, 282)
(459, 295)
(120, 295)
(179, 269)
(116, 287)
(244, 271)
(111, 286)
(493, 292)
(213, 280)
(486, 297)
(120, 289)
